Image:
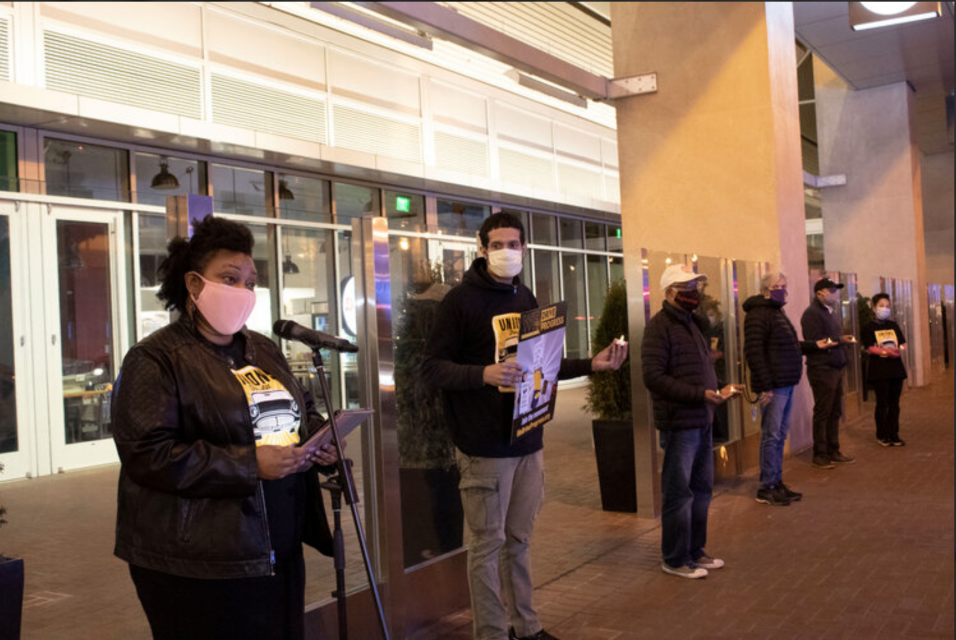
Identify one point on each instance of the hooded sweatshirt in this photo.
(461, 345)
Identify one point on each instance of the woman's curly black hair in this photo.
(183, 256)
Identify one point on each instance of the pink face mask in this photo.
(225, 308)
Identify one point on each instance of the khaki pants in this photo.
(501, 498)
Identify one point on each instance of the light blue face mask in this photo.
(882, 313)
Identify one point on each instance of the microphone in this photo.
(310, 337)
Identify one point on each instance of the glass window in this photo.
(405, 211)
(308, 293)
(432, 517)
(546, 277)
(576, 336)
(81, 170)
(461, 218)
(614, 240)
(616, 267)
(597, 286)
(303, 198)
(354, 201)
(238, 190)
(8, 161)
(152, 251)
(8, 379)
(161, 176)
(86, 328)
(595, 236)
(524, 217)
(263, 255)
(544, 230)
(572, 234)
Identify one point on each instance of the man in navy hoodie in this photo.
(502, 483)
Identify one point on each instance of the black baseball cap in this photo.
(826, 283)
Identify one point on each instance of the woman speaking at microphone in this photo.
(212, 508)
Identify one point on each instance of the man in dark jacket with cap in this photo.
(677, 369)
(825, 372)
(774, 354)
(502, 482)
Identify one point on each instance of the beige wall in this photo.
(938, 217)
(711, 163)
(873, 226)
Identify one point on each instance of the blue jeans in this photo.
(774, 427)
(687, 482)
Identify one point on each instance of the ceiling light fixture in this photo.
(164, 180)
(285, 193)
(872, 15)
(289, 267)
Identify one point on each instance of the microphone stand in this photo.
(337, 485)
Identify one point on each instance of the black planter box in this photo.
(11, 597)
(614, 450)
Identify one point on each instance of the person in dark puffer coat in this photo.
(677, 370)
(774, 354)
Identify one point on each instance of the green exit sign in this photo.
(403, 204)
(617, 232)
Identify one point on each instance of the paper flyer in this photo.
(887, 338)
(540, 348)
(506, 326)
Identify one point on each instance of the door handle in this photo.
(53, 339)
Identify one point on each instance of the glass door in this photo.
(85, 332)
(16, 443)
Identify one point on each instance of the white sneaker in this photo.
(687, 571)
(707, 562)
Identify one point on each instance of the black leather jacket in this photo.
(190, 502)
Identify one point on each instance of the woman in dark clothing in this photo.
(883, 342)
(212, 507)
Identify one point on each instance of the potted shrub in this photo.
(866, 315)
(432, 515)
(11, 590)
(609, 399)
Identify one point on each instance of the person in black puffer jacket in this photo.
(677, 370)
(774, 354)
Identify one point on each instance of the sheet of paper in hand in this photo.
(540, 347)
(345, 421)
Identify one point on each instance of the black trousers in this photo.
(827, 386)
(266, 608)
(887, 407)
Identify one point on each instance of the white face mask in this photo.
(882, 313)
(505, 263)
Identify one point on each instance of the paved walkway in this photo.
(869, 553)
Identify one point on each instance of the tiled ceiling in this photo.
(921, 53)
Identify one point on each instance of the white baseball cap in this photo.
(680, 273)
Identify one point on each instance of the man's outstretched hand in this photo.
(611, 358)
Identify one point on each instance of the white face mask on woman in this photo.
(882, 313)
(505, 263)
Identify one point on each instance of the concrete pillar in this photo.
(711, 163)
(873, 226)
